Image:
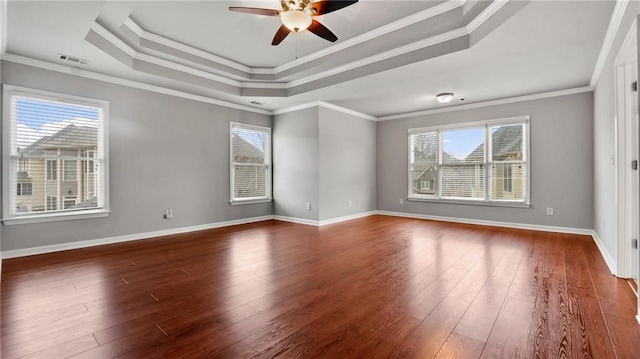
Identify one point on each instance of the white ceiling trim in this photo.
(380, 31)
(125, 82)
(325, 105)
(115, 41)
(454, 34)
(609, 38)
(281, 89)
(143, 34)
(297, 108)
(503, 101)
(346, 111)
(166, 91)
(493, 8)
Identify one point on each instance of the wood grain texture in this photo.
(376, 287)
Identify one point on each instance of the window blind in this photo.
(484, 161)
(56, 160)
(250, 162)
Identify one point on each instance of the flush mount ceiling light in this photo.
(297, 15)
(444, 97)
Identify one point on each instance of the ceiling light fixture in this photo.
(295, 20)
(444, 97)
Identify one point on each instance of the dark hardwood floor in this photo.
(377, 287)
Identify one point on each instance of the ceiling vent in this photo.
(73, 59)
(256, 103)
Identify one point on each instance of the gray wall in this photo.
(605, 216)
(561, 163)
(295, 164)
(326, 158)
(347, 164)
(165, 151)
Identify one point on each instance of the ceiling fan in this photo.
(297, 15)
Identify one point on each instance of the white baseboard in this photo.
(347, 218)
(325, 222)
(533, 227)
(308, 222)
(603, 252)
(126, 238)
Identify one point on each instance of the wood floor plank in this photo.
(374, 287)
(458, 346)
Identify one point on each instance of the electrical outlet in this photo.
(168, 214)
(308, 206)
(350, 203)
(401, 201)
(549, 211)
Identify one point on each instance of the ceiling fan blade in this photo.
(322, 31)
(255, 11)
(282, 32)
(327, 6)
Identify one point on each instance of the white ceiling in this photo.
(545, 46)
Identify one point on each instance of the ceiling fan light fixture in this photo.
(296, 20)
(444, 97)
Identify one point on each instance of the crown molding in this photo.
(380, 31)
(149, 36)
(160, 56)
(325, 105)
(135, 55)
(125, 82)
(398, 51)
(502, 101)
(346, 111)
(609, 38)
(485, 15)
(167, 91)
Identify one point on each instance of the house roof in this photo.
(70, 137)
(507, 141)
(246, 152)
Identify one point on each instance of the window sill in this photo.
(473, 203)
(250, 201)
(55, 217)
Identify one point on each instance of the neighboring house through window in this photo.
(453, 163)
(250, 148)
(56, 156)
(25, 189)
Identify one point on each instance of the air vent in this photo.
(256, 103)
(73, 59)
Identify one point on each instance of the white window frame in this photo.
(267, 154)
(488, 163)
(9, 184)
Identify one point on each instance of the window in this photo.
(456, 164)
(70, 170)
(25, 189)
(52, 203)
(52, 170)
(507, 171)
(58, 143)
(69, 202)
(250, 163)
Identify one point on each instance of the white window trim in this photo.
(269, 189)
(487, 201)
(7, 184)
